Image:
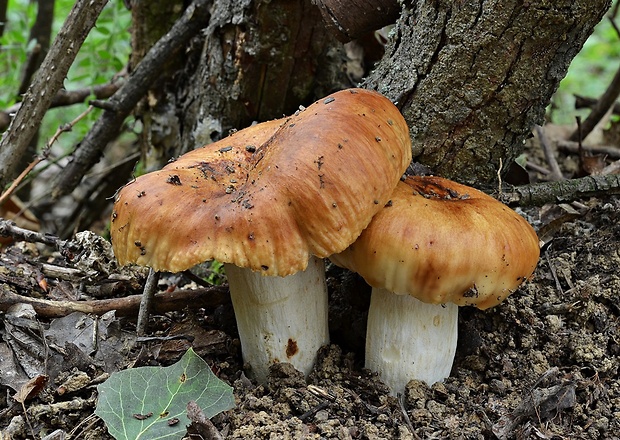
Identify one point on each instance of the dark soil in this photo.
(542, 365)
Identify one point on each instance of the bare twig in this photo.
(403, 410)
(612, 20)
(70, 97)
(554, 273)
(535, 167)
(195, 278)
(499, 176)
(614, 11)
(146, 303)
(538, 194)
(209, 298)
(45, 84)
(9, 229)
(573, 147)
(68, 127)
(312, 411)
(65, 98)
(62, 129)
(556, 172)
(41, 157)
(125, 99)
(96, 190)
(612, 168)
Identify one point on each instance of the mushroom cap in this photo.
(269, 196)
(441, 242)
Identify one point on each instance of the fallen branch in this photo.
(208, 298)
(10, 229)
(585, 102)
(538, 194)
(64, 98)
(612, 168)
(529, 165)
(573, 147)
(556, 172)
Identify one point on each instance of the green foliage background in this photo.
(104, 53)
(589, 74)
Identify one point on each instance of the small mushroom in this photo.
(305, 189)
(437, 245)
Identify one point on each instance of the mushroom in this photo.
(270, 202)
(435, 246)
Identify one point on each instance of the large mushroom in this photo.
(435, 246)
(271, 201)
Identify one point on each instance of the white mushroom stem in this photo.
(407, 339)
(280, 319)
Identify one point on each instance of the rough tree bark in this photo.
(256, 61)
(473, 77)
(152, 20)
(40, 34)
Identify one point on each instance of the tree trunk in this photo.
(257, 60)
(472, 77)
(151, 21)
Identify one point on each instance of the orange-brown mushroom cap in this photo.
(442, 242)
(269, 196)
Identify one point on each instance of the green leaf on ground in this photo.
(150, 402)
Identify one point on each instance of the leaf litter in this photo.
(542, 365)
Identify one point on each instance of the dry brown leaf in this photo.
(31, 388)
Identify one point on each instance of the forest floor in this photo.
(542, 365)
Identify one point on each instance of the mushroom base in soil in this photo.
(423, 349)
(271, 327)
(446, 245)
(266, 199)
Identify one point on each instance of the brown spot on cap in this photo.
(291, 348)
